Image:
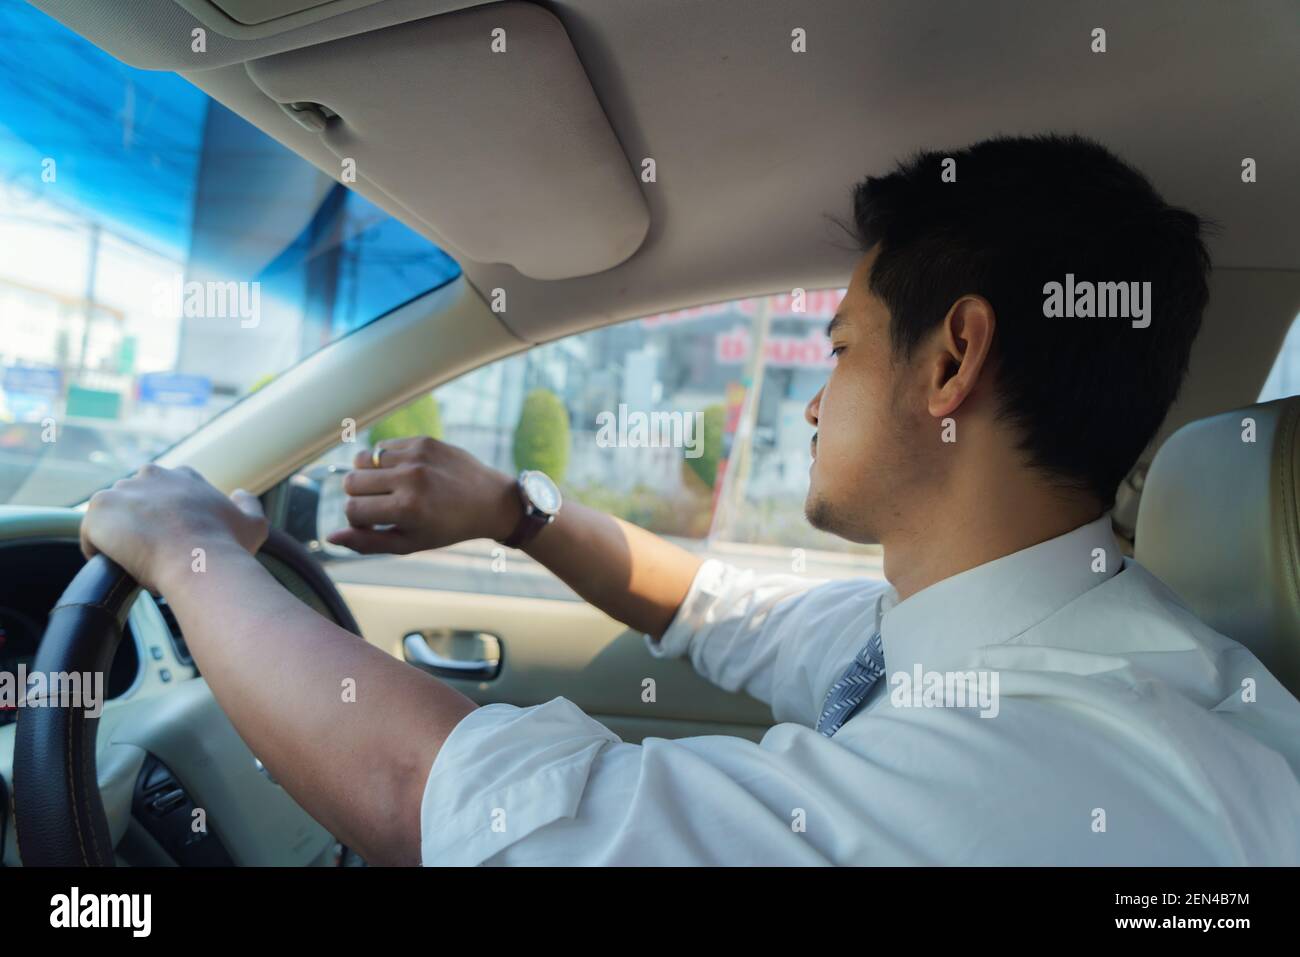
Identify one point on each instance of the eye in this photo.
(835, 353)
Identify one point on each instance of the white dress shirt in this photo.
(1121, 730)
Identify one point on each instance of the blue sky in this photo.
(128, 145)
(126, 142)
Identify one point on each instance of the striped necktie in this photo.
(847, 694)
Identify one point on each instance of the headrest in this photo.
(1220, 525)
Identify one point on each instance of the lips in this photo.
(812, 446)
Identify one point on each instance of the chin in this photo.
(818, 512)
(823, 515)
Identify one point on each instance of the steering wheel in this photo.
(59, 813)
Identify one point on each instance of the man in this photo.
(1017, 693)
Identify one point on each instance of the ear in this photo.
(961, 352)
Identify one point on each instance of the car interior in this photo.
(587, 163)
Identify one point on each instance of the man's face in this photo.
(867, 452)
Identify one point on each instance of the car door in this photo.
(689, 424)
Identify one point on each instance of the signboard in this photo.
(93, 403)
(33, 380)
(176, 389)
(812, 351)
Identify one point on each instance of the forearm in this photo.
(630, 574)
(350, 732)
(427, 494)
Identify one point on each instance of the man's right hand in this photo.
(431, 493)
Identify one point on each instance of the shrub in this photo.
(420, 417)
(706, 465)
(542, 436)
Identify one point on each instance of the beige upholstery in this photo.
(1219, 524)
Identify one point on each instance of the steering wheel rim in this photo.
(59, 814)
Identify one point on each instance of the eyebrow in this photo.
(834, 324)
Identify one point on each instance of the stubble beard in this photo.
(819, 513)
(826, 516)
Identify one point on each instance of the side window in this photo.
(628, 419)
(762, 494)
(1284, 378)
(689, 424)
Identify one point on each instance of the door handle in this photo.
(468, 655)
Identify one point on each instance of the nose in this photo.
(813, 409)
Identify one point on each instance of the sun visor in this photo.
(483, 125)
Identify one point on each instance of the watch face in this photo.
(541, 491)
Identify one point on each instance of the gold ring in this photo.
(375, 456)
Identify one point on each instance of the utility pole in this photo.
(88, 307)
(731, 498)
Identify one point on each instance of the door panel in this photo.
(563, 648)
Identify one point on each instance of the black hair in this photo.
(1086, 394)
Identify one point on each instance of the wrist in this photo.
(178, 566)
(508, 509)
(540, 499)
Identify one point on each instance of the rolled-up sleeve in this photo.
(502, 773)
(549, 785)
(780, 638)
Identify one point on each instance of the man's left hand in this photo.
(152, 523)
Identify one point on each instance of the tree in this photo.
(421, 417)
(714, 423)
(542, 436)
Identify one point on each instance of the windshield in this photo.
(160, 258)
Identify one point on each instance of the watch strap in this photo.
(530, 523)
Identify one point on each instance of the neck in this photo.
(975, 523)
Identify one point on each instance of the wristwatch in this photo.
(541, 500)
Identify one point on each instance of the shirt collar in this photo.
(997, 601)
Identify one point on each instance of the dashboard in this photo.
(19, 636)
(32, 577)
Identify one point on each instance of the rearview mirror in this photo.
(330, 510)
(315, 507)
